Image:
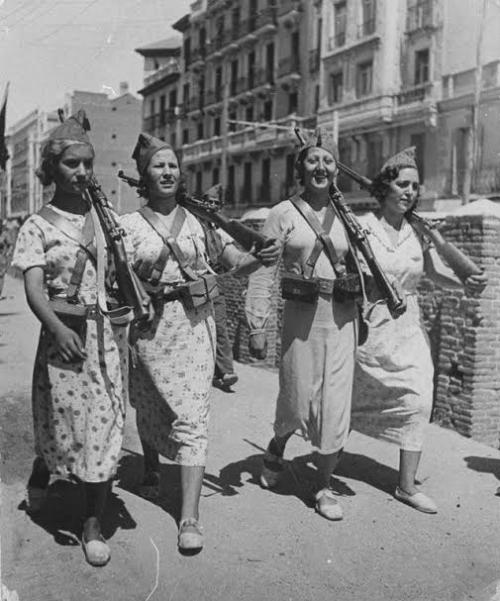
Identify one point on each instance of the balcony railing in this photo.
(415, 94)
(420, 15)
(366, 28)
(170, 68)
(289, 65)
(314, 60)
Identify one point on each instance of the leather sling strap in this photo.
(81, 260)
(323, 240)
(83, 238)
(169, 240)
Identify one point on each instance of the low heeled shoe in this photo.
(418, 500)
(327, 505)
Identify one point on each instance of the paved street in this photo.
(260, 545)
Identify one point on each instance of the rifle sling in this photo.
(323, 240)
(85, 241)
(169, 241)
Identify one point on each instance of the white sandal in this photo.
(327, 505)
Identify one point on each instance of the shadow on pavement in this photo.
(368, 470)
(61, 514)
(484, 465)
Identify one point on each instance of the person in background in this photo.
(393, 381)
(174, 366)
(80, 374)
(319, 331)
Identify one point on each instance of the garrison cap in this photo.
(405, 159)
(145, 148)
(74, 129)
(322, 138)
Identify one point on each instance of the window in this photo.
(185, 93)
(187, 51)
(215, 176)
(270, 63)
(173, 140)
(185, 136)
(251, 70)
(202, 40)
(172, 99)
(340, 16)
(218, 84)
(230, 184)
(232, 117)
(217, 126)
(235, 21)
(295, 51)
(162, 109)
(200, 130)
(336, 87)
(364, 79)
(268, 110)
(421, 66)
(249, 113)
(265, 193)
(246, 192)
(252, 14)
(233, 86)
(201, 90)
(199, 183)
(152, 107)
(290, 170)
(369, 15)
(293, 102)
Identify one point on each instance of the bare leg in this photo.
(408, 465)
(191, 482)
(326, 465)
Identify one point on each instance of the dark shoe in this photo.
(225, 381)
(190, 535)
(272, 468)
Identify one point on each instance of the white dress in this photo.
(393, 381)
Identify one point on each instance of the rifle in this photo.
(462, 266)
(359, 239)
(129, 285)
(208, 209)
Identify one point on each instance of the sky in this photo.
(49, 48)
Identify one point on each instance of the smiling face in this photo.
(319, 170)
(74, 168)
(162, 174)
(402, 192)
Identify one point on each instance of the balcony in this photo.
(367, 28)
(415, 94)
(171, 68)
(420, 16)
(289, 66)
(198, 57)
(314, 60)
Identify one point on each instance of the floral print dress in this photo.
(79, 407)
(172, 374)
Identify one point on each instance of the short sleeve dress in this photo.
(79, 407)
(393, 383)
(318, 340)
(172, 375)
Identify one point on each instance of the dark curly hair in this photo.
(52, 152)
(380, 184)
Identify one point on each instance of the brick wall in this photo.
(464, 333)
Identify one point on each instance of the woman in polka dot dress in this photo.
(171, 381)
(80, 375)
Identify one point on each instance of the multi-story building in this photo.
(24, 193)
(240, 63)
(396, 74)
(115, 124)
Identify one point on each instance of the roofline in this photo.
(182, 24)
(150, 52)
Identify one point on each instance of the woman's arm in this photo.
(68, 344)
(242, 264)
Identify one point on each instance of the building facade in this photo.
(400, 74)
(115, 124)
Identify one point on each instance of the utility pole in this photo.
(225, 137)
(471, 168)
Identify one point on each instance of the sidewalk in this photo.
(260, 545)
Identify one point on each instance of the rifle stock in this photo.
(246, 237)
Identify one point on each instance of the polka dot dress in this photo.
(78, 408)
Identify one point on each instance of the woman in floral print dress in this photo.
(80, 378)
(174, 366)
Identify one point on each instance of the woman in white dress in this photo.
(393, 382)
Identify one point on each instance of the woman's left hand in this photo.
(476, 282)
(270, 253)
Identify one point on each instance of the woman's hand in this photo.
(270, 253)
(476, 282)
(69, 347)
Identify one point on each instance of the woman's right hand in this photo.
(69, 347)
(257, 345)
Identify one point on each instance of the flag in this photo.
(4, 155)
